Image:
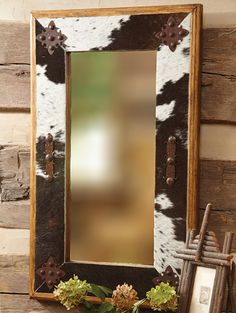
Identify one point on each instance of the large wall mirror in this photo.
(113, 125)
(115, 112)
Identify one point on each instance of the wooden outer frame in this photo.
(193, 116)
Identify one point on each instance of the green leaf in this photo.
(137, 305)
(96, 291)
(105, 307)
(88, 305)
(106, 290)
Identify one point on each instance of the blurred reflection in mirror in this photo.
(112, 156)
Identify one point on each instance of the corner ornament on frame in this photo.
(50, 273)
(172, 34)
(51, 38)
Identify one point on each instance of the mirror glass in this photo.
(112, 164)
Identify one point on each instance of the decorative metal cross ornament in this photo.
(51, 38)
(168, 276)
(50, 272)
(172, 34)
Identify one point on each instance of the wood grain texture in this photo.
(15, 214)
(15, 44)
(15, 87)
(14, 241)
(217, 184)
(10, 303)
(15, 129)
(14, 271)
(218, 71)
(14, 173)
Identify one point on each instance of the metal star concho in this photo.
(168, 276)
(51, 38)
(50, 272)
(172, 34)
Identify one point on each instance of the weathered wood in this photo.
(218, 72)
(15, 87)
(15, 43)
(15, 214)
(222, 222)
(218, 50)
(217, 184)
(14, 173)
(203, 232)
(217, 178)
(218, 97)
(14, 241)
(15, 129)
(23, 304)
(14, 272)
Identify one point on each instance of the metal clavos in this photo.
(172, 34)
(51, 38)
(49, 164)
(50, 272)
(170, 160)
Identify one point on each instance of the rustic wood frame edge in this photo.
(194, 104)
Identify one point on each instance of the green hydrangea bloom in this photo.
(162, 298)
(72, 292)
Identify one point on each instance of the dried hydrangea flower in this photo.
(72, 292)
(123, 297)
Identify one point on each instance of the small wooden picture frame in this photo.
(205, 270)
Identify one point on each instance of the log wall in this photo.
(218, 153)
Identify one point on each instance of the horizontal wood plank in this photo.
(218, 98)
(218, 184)
(14, 241)
(15, 87)
(14, 268)
(10, 303)
(15, 129)
(15, 214)
(15, 43)
(218, 71)
(14, 273)
(14, 173)
(217, 142)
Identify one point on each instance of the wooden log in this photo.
(217, 184)
(222, 222)
(217, 255)
(203, 231)
(14, 271)
(206, 248)
(207, 243)
(15, 44)
(222, 276)
(11, 303)
(217, 178)
(15, 87)
(15, 129)
(14, 173)
(15, 214)
(189, 257)
(218, 73)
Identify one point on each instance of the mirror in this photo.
(113, 101)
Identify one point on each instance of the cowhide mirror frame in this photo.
(174, 32)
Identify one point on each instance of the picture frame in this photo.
(54, 36)
(205, 270)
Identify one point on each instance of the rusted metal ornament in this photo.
(51, 38)
(50, 272)
(172, 34)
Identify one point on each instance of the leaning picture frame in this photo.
(205, 270)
